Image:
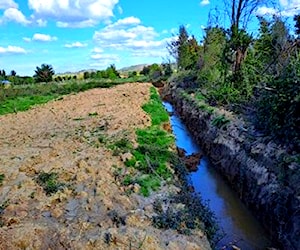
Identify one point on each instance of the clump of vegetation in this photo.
(148, 183)
(186, 210)
(2, 176)
(230, 68)
(194, 214)
(155, 109)
(49, 182)
(93, 114)
(150, 158)
(44, 73)
(220, 121)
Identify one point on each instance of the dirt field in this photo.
(92, 211)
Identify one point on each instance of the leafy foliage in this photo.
(2, 176)
(153, 152)
(44, 73)
(185, 50)
(245, 73)
(49, 182)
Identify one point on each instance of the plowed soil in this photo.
(92, 210)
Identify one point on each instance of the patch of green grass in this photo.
(49, 182)
(120, 146)
(206, 108)
(93, 114)
(23, 103)
(219, 121)
(128, 180)
(154, 136)
(155, 109)
(148, 183)
(22, 97)
(153, 153)
(78, 119)
(199, 96)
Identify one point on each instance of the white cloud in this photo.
(103, 60)
(12, 50)
(284, 2)
(83, 24)
(77, 14)
(41, 22)
(204, 2)
(105, 56)
(75, 45)
(266, 11)
(130, 35)
(27, 39)
(6, 4)
(286, 8)
(43, 38)
(13, 14)
(97, 50)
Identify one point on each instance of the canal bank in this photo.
(238, 227)
(251, 165)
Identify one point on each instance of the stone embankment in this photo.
(263, 174)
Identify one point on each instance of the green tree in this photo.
(86, 75)
(155, 72)
(167, 69)
(13, 73)
(211, 66)
(185, 50)
(112, 72)
(44, 73)
(146, 70)
(297, 24)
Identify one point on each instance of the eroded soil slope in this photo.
(92, 210)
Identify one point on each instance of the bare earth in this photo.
(89, 213)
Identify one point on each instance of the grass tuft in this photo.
(49, 182)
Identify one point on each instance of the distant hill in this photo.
(137, 68)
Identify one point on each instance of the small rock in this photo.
(57, 212)
(126, 156)
(136, 188)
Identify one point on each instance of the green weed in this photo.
(148, 183)
(155, 109)
(93, 114)
(23, 103)
(49, 182)
(219, 121)
(2, 176)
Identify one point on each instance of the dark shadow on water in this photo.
(237, 222)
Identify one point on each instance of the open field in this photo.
(60, 187)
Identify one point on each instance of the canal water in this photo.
(239, 226)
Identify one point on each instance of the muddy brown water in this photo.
(239, 227)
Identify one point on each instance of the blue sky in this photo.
(73, 35)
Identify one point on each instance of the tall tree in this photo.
(185, 50)
(44, 73)
(210, 62)
(240, 13)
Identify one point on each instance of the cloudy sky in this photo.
(72, 35)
